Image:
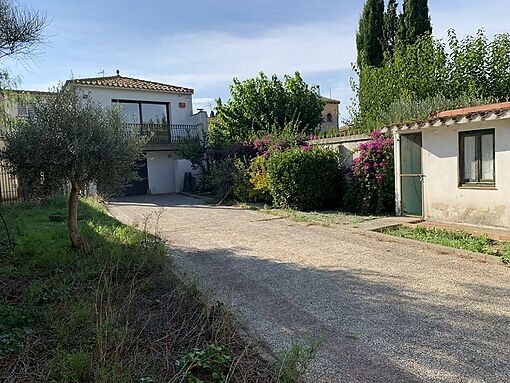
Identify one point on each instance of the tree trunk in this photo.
(77, 240)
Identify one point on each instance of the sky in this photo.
(203, 44)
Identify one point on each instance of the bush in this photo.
(237, 170)
(304, 179)
(372, 181)
(259, 181)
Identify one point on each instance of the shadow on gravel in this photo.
(374, 330)
(166, 200)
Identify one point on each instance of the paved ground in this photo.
(390, 310)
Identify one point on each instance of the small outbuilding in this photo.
(455, 166)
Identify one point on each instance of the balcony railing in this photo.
(166, 133)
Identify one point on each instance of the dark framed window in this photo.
(144, 112)
(477, 158)
(329, 117)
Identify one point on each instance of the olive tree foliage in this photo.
(72, 140)
(262, 104)
(430, 76)
(21, 29)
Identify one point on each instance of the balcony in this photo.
(164, 134)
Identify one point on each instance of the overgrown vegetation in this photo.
(117, 315)
(428, 76)
(455, 239)
(238, 170)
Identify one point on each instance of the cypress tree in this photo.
(415, 21)
(370, 36)
(390, 29)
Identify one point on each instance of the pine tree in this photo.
(370, 36)
(391, 25)
(415, 21)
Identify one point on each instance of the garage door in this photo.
(139, 186)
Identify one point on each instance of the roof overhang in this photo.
(503, 114)
(120, 88)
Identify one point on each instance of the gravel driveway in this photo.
(390, 310)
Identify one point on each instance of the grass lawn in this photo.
(456, 239)
(117, 315)
(322, 218)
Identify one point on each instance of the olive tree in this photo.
(72, 140)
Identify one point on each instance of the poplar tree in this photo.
(390, 28)
(370, 35)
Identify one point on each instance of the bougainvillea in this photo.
(371, 176)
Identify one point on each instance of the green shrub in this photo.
(229, 180)
(304, 179)
(259, 181)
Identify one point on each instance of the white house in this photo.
(455, 167)
(163, 112)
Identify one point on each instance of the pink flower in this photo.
(375, 134)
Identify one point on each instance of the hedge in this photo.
(304, 179)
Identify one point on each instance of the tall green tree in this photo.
(414, 21)
(370, 35)
(390, 27)
(430, 76)
(263, 104)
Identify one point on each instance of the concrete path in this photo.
(390, 310)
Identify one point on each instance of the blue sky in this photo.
(204, 43)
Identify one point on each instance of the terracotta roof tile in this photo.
(131, 83)
(457, 116)
(474, 109)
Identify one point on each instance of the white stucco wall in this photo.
(178, 115)
(166, 172)
(444, 199)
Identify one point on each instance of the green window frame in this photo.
(477, 158)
